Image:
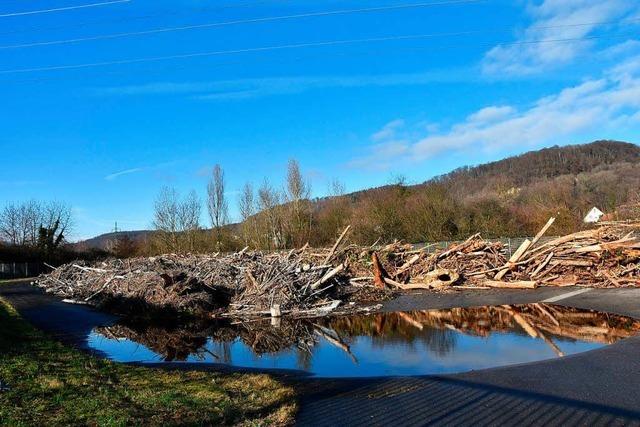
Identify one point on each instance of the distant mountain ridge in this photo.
(103, 241)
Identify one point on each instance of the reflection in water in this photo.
(403, 343)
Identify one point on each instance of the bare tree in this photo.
(57, 220)
(33, 214)
(166, 218)
(177, 221)
(297, 188)
(10, 229)
(33, 223)
(216, 201)
(336, 188)
(246, 202)
(269, 201)
(189, 212)
(247, 208)
(297, 196)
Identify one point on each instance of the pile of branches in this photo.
(310, 282)
(607, 256)
(238, 284)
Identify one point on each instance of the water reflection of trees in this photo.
(392, 329)
(434, 330)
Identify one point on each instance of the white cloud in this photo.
(523, 58)
(115, 175)
(261, 87)
(595, 107)
(388, 131)
(382, 155)
(491, 114)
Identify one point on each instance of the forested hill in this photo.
(509, 197)
(543, 164)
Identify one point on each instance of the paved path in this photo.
(600, 387)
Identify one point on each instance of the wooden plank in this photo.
(335, 246)
(522, 284)
(514, 258)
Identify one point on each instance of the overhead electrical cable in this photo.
(282, 48)
(62, 9)
(291, 17)
(174, 12)
(241, 22)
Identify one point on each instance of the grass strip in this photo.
(47, 383)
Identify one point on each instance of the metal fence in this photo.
(511, 244)
(20, 270)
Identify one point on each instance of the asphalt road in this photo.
(599, 387)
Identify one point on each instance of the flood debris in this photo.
(607, 256)
(311, 282)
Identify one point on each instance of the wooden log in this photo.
(441, 278)
(456, 248)
(514, 258)
(99, 291)
(336, 244)
(522, 284)
(407, 265)
(379, 273)
(437, 279)
(573, 262)
(542, 231)
(551, 344)
(97, 270)
(569, 238)
(542, 265)
(327, 276)
(618, 244)
(407, 286)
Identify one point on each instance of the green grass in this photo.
(51, 384)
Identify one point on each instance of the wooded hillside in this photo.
(510, 197)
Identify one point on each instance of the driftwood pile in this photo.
(310, 282)
(242, 283)
(607, 256)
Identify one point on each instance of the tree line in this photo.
(271, 217)
(34, 230)
(510, 198)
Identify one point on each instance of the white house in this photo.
(593, 216)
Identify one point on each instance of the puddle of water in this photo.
(389, 344)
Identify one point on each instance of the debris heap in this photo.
(607, 256)
(313, 282)
(241, 283)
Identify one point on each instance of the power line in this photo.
(283, 47)
(61, 9)
(141, 17)
(305, 15)
(240, 22)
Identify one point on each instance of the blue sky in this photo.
(412, 88)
